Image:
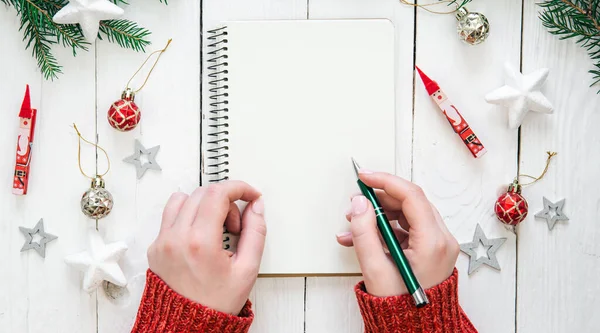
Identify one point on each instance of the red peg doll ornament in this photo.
(511, 208)
(124, 115)
(27, 120)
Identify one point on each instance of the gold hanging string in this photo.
(551, 154)
(424, 7)
(79, 153)
(160, 53)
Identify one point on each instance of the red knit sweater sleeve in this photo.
(399, 314)
(163, 310)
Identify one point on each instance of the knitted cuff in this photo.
(164, 310)
(399, 313)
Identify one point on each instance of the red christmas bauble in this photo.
(511, 207)
(124, 114)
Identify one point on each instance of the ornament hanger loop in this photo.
(79, 154)
(160, 53)
(551, 154)
(424, 7)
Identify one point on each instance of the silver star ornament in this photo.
(40, 247)
(135, 159)
(521, 94)
(88, 14)
(552, 212)
(492, 247)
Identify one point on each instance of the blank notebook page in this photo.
(304, 97)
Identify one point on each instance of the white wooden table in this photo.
(548, 281)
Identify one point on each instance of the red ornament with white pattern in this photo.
(511, 207)
(124, 115)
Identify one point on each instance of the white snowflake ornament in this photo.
(521, 94)
(88, 14)
(100, 263)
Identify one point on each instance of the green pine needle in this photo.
(40, 32)
(579, 20)
(37, 37)
(125, 33)
(9, 2)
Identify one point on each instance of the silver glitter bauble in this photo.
(473, 28)
(96, 202)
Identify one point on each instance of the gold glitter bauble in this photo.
(96, 202)
(473, 28)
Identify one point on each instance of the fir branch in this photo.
(67, 34)
(39, 37)
(125, 33)
(40, 32)
(576, 19)
(43, 32)
(54, 4)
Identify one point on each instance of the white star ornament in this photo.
(99, 263)
(88, 14)
(521, 94)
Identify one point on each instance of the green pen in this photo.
(387, 233)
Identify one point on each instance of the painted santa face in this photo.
(25, 123)
(439, 97)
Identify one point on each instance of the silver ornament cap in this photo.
(96, 202)
(473, 28)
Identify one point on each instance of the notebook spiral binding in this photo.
(217, 134)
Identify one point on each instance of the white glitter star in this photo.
(88, 14)
(521, 94)
(100, 263)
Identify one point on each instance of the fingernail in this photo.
(359, 205)
(355, 194)
(258, 207)
(349, 211)
(343, 234)
(365, 171)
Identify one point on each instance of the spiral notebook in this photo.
(290, 102)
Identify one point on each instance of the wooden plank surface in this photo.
(331, 305)
(554, 285)
(558, 269)
(43, 294)
(464, 189)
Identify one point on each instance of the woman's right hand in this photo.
(428, 245)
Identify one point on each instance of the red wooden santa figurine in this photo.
(27, 117)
